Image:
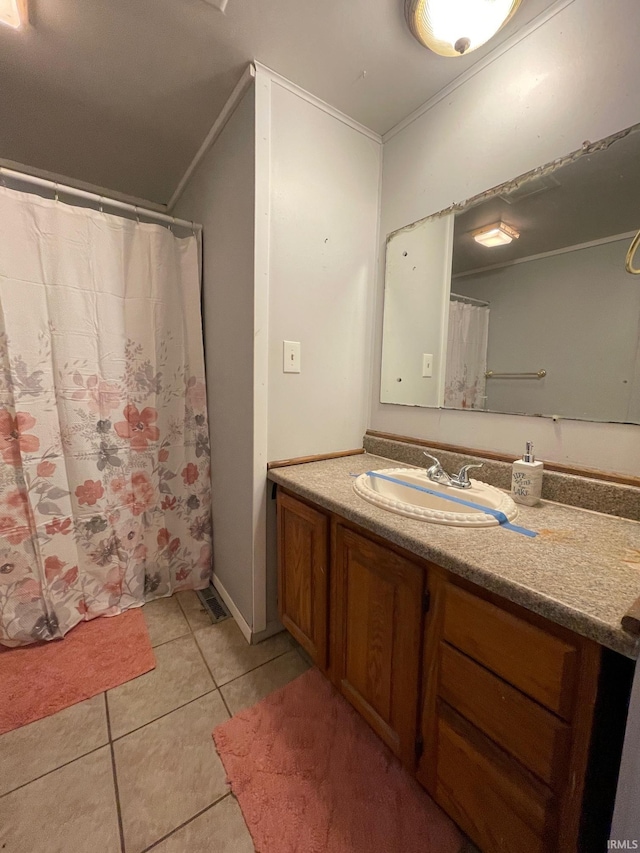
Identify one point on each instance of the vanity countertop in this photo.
(581, 571)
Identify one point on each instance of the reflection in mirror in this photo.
(467, 345)
(546, 322)
(418, 271)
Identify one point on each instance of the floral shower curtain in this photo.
(465, 380)
(104, 444)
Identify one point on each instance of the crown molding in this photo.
(225, 114)
(284, 83)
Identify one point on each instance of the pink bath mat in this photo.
(36, 681)
(312, 777)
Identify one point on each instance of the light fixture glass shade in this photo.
(497, 234)
(456, 27)
(13, 13)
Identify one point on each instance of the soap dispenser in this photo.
(526, 478)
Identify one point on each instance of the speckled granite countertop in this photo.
(582, 570)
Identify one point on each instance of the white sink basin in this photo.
(404, 499)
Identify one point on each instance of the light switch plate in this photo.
(427, 364)
(291, 357)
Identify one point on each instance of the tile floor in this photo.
(135, 769)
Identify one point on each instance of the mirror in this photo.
(544, 322)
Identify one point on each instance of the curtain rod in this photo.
(98, 199)
(458, 297)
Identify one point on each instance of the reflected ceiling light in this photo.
(497, 234)
(454, 27)
(13, 13)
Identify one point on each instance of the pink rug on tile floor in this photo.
(312, 777)
(36, 681)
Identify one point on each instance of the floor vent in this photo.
(214, 606)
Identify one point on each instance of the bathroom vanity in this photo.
(484, 659)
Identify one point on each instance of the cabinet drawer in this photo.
(535, 737)
(536, 662)
(493, 801)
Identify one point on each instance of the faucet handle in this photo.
(436, 472)
(463, 476)
(435, 461)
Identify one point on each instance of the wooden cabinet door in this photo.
(303, 574)
(376, 623)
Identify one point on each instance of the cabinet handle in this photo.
(631, 619)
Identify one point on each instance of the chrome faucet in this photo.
(459, 481)
(436, 472)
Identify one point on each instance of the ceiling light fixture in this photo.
(497, 234)
(455, 27)
(13, 13)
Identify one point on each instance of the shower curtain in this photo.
(104, 444)
(465, 381)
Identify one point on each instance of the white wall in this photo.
(289, 197)
(318, 212)
(221, 195)
(575, 314)
(572, 79)
(322, 264)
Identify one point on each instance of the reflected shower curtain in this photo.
(104, 444)
(465, 380)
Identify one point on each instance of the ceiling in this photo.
(121, 93)
(591, 198)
